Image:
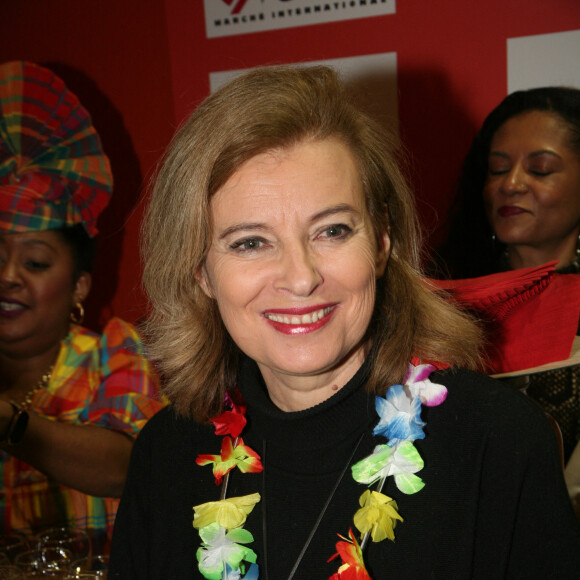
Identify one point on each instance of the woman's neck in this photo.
(18, 375)
(524, 256)
(295, 393)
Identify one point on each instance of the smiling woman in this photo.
(290, 317)
(71, 400)
(518, 203)
(38, 289)
(532, 190)
(312, 254)
(519, 207)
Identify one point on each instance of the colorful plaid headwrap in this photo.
(53, 172)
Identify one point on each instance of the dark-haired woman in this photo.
(519, 207)
(519, 190)
(71, 401)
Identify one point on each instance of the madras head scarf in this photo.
(53, 172)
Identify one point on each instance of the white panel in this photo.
(544, 60)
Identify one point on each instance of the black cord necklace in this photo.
(316, 523)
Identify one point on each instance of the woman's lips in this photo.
(300, 321)
(10, 308)
(510, 210)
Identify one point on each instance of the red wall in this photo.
(140, 67)
(114, 55)
(451, 57)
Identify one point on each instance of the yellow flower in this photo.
(377, 515)
(229, 513)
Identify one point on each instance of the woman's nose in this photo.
(9, 273)
(299, 273)
(515, 181)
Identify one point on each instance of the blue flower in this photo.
(399, 416)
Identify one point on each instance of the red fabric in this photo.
(530, 315)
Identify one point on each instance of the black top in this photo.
(494, 504)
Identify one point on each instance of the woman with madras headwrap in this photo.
(71, 401)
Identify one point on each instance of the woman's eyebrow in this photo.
(340, 208)
(537, 153)
(544, 152)
(30, 243)
(257, 226)
(35, 242)
(242, 227)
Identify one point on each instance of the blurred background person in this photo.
(518, 204)
(71, 400)
(519, 207)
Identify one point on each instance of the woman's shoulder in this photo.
(478, 391)
(489, 429)
(168, 427)
(488, 405)
(117, 334)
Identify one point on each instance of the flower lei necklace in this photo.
(224, 554)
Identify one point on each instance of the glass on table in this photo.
(75, 540)
(43, 562)
(94, 567)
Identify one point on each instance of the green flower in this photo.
(220, 547)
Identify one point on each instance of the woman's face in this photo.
(293, 264)
(532, 191)
(37, 291)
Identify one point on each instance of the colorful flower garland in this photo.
(224, 554)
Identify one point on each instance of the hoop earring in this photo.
(77, 314)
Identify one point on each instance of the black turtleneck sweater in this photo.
(494, 503)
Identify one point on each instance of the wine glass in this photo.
(95, 567)
(45, 561)
(75, 540)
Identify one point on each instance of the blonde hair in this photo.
(265, 109)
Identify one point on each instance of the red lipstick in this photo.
(510, 210)
(10, 308)
(295, 321)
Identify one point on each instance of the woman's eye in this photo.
(336, 231)
(36, 266)
(541, 172)
(495, 170)
(247, 245)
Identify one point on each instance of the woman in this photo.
(71, 401)
(281, 259)
(518, 203)
(519, 207)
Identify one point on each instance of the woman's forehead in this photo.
(307, 175)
